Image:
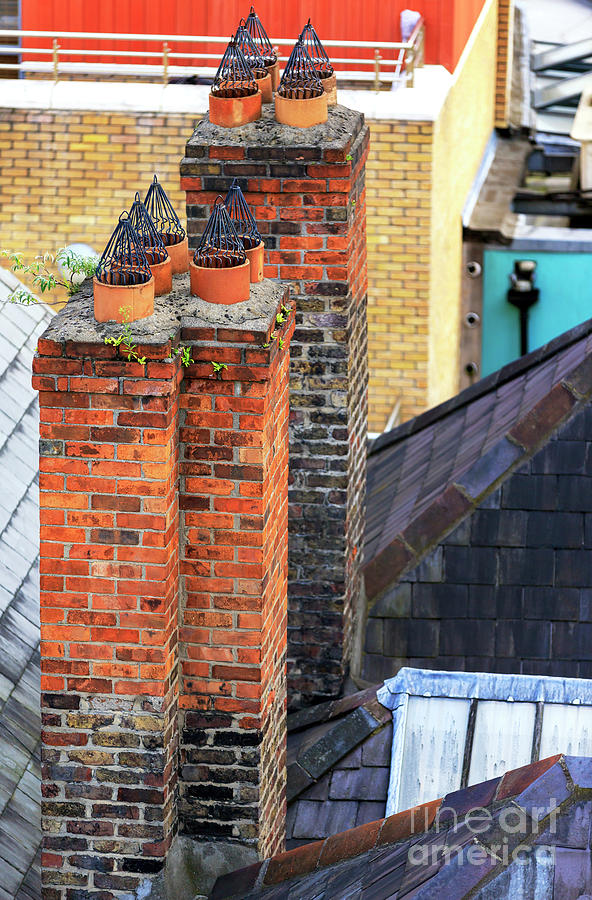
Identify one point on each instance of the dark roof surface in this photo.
(20, 725)
(435, 852)
(411, 467)
(338, 766)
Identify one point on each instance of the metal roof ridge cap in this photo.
(484, 686)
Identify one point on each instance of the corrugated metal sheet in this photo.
(433, 733)
(448, 22)
(502, 740)
(434, 748)
(568, 727)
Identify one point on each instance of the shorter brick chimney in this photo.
(163, 503)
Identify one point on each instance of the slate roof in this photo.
(338, 766)
(20, 725)
(427, 474)
(434, 851)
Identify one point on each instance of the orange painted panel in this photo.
(448, 23)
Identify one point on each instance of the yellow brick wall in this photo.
(66, 176)
(460, 137)
(398, 186)
(419, 175)
(503, 79)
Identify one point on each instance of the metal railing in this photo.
(382, 67)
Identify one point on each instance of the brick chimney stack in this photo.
(306, 190)
(163, 495)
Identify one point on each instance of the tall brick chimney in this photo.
(163, 495)
(306, 190)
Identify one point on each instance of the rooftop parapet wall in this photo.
(120, 564)
(306, 189)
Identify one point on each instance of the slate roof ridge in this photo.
(324, 712)
(364, 715)
(459, 498)
(525, 788)
(485, 385)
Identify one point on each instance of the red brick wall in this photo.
(234, 500)
(123, 445)
(109, 564)
(309, 203)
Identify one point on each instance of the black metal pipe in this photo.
(523, 300)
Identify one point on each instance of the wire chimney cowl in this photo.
(123, 286)
(300, 100)
(234, 77)
(235, 98)
(300, 80)
(163, 215)
(316, 51)
(156, 252)
(261, 73)
(168, 225)
(263, 44)
(242, 217)
(124, 260)
(220, 269)
(246, 228)
(260, 39)
(144, 226)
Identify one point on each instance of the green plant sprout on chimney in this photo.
(185, 352)
(125, 339)
(218, 367)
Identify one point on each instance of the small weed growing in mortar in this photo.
(185, 352)
(125, 339)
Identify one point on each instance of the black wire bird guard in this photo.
(234, 77)
(316, 51)
(242, 217)
(260, 39)
(123, 260)
(154, 248)
(161, 211)
(220, 246)
(300, 80)
(250, 51)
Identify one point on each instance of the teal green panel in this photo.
(565, 283)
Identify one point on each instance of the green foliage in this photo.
(125, 340)
(185, 352)
(218, 367)
(43, 279)
(349, 157)
(280, 318)
(281, 343)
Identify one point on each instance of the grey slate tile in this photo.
(571, 829)
(316, 820)
(376, 750)
(370, 811)
(361, 784)
(573, 874)
(10, 878)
